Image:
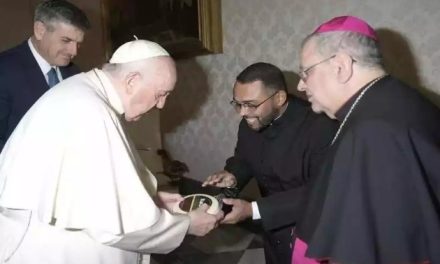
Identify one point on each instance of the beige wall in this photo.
(200, 126)
(16, 26)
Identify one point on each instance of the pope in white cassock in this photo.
(70, 179)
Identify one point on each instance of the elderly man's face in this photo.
(316, 81)
(151, 89)
(57, 42)
(256, 104)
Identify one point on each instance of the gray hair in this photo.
(122, 69)
(52, 11)
(364, 50)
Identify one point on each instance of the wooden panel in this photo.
(16, 23)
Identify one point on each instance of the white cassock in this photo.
(72, 187)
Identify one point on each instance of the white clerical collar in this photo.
(44, 65)
(105, 85)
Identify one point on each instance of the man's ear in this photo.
(344, 67)
(39, 30)
(131, 79)
(281, 97)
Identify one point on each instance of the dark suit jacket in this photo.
(282, 158)
(21, 84)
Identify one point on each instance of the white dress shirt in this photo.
(44, 65)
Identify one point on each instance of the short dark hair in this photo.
(270, 75)
(50, 11)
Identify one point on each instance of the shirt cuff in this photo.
(255, 212)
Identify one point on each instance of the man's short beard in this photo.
(267, 120)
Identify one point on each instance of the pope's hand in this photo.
(221, 179)
(202, 222)
(167, 200)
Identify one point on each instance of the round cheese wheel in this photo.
(193, 201)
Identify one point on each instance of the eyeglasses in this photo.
(303, 74)
(249, 106)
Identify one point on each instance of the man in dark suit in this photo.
(31, 68)
(281, 144)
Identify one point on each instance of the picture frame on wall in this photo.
(185, 28)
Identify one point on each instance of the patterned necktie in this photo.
(52, 77)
